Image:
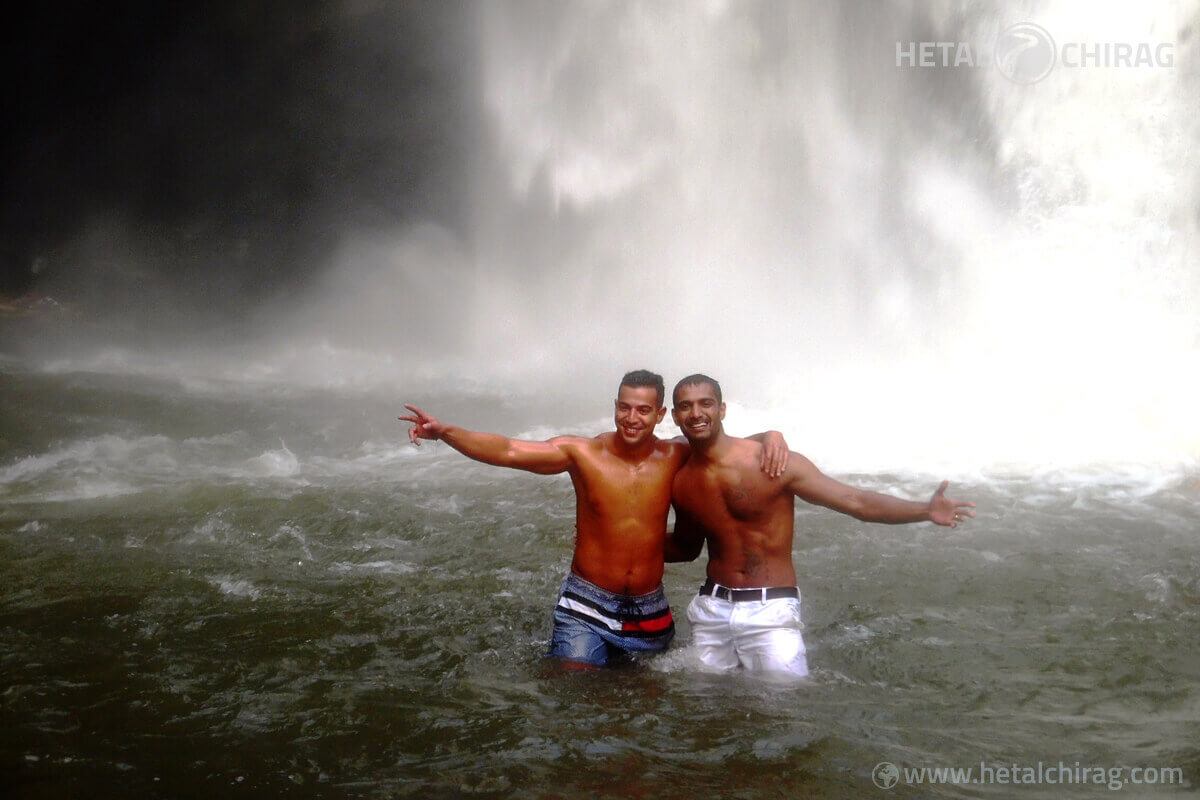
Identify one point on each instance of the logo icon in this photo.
(1025, 53)
(885, 775)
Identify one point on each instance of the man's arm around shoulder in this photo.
(773, 456)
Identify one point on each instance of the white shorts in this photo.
(756, 635)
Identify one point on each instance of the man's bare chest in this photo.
(717, 495)
(615, 476)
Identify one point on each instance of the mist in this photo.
(893, 265)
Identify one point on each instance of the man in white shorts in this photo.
(747, 613)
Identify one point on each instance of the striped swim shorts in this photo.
(593, 625)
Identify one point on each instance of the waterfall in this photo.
(901, 263)
(885, 229)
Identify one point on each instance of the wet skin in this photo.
(622, 484)
(746, 516)
(622, 481)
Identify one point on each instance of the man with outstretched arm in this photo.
(612, 601)
(747, 613)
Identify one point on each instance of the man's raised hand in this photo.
(424, 425)
(945, 511)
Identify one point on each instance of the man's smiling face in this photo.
(698, 412)
(637, 412)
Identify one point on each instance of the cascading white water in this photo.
(901, 267)
(894, 265)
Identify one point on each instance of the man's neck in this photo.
(711, 449)
(632, 453)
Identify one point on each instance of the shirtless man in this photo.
(612, 601)
(748, 610)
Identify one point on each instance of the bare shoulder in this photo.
(574, 445)
(802, 474)
(677, 449)
(745, 467)
(799, 466)
(745, 451)
(600, 440)
(570, 441)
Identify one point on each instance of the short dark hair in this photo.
(696, 380)
(644, 377)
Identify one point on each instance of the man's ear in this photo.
(722, 411)
(662, 412)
